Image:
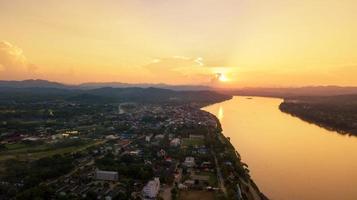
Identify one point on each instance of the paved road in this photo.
(253, 193)
(219, 175)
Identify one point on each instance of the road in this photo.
(219, 175)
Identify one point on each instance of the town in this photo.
(118, 151)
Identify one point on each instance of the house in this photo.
(134, 152)
(106, 175)
(148, 138)
(206, 165)
(151, 189)
(111, 137)
(159, 137)
(175, 142)
(161, 153)
(189, 162)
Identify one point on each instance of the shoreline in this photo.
(243, 184)
(284, 107)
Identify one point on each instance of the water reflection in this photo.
(288, 158)
(220, 113)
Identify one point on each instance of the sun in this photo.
(223, 78)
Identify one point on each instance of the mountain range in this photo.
(38, 83)
(248, 91)
(41, 90)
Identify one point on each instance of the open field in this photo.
(192, 142)
(27, 152)
(196, 195)
(212, 180)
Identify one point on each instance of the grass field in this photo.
(28, 152)
(212, 177)
(196, 195)
(192, 142)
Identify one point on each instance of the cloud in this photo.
(179, 69)
(182, 69)
(13, 63)
(175, 62)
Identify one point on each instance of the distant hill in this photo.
(109, 95)
(291, 92)
(32, 83)
(38, 83)
(92, 85)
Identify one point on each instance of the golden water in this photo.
(289, 159)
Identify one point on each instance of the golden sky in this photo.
(240, 42)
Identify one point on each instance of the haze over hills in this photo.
(93, 85)
(31, 83)
(30, 91)
(247, 91)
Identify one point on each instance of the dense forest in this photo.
(337, 113)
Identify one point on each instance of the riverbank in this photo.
(335, 113)
(288, 157)
(233, 174)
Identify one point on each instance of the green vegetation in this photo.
(193, 142)
(338, 113)
(125, 166)
(25, 177)
(25, 151)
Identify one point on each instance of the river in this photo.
(289, 159)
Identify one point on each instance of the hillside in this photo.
(109, 95)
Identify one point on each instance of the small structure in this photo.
(161, 153)
(175, 142)
(159, 137)
(151, 189)
(106, 175)
(197, 136)
(111, 137)
(189, 162)
(148, 138)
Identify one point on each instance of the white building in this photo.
(189, 162)
(159, 137)
(111, 137)
(151, 189)
(106, 175)
(148, 138)
(175, 142)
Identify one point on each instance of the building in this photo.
(161, 153)
(189, 162)
(151, 189)
(196, 136)
(159, 137)
(175, 142)
(111, 137)
(148, 138)
(106, 175)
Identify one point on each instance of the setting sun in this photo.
(139, 99)
(223, 78)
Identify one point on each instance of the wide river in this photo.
(288, 158)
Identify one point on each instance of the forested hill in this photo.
(337, 113)
(109, 95)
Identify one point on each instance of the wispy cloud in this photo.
(13, 62)
(184, 69)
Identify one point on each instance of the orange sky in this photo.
(249, 42)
